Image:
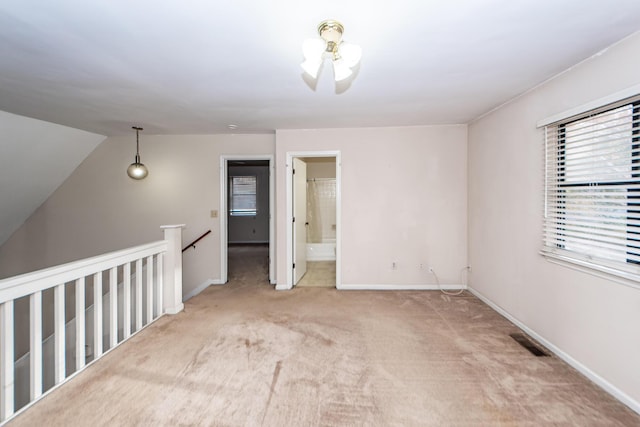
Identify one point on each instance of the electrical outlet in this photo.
(214, 214)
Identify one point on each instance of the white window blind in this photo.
(242, 195)
(592, 189)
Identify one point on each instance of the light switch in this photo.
(214, 214)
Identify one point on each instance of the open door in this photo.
(299, 219)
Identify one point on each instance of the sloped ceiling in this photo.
(35, 158)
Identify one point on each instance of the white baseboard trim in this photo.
(397, 287)
(281, 287)
(584, 370)
(320, 258)
(201, 288)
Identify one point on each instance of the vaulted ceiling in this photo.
(198, 66)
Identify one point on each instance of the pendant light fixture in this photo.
(343, 55)
(137, 170)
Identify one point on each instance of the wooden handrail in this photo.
(196, 241)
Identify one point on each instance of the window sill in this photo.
(622, 277)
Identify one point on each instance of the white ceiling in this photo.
(197, 66)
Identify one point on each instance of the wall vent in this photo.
(525, 342)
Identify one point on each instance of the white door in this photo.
(299, 219)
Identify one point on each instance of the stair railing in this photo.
(158, 263)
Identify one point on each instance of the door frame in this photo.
(224, 230)
(289, 200)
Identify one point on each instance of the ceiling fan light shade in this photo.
(350, 54)
(312, 67)
(340, 70)
(313, 48)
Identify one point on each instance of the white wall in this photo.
(593, 320)
(35, 158)
(404, 200)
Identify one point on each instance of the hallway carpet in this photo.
(246, 355)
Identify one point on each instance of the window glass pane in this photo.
(592, 148)
(243, 196)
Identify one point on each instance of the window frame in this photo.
(632, 231)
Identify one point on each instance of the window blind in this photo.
(592, 188)
(243, 195)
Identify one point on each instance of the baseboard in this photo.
(601, 382)
(281, 287)
(201, 288)
(397, 287)
(320, 258)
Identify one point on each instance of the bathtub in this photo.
(325, 251)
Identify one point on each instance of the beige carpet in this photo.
(246, 355)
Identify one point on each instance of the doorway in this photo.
(246, 218)
(313, 237)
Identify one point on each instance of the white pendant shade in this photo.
(137, 171)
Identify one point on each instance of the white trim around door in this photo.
(289, 199)
(224, 159)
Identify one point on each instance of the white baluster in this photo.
(35, 349)
(149, 289)
(113, 306)
(159, 273)
(97, 315)
(59, 334)
(80, 324)
(126, 298)
(138, 294)
(7, 354)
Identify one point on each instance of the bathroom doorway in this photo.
(314, 212)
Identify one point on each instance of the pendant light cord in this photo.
(138, 129)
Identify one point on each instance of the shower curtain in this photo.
(321, 210)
